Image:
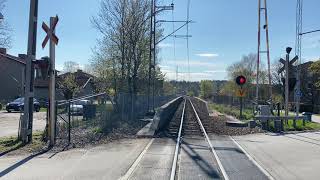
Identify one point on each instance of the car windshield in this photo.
(19, 100)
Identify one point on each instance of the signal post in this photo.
(52, 74)
(241, 80)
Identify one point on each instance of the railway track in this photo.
(187, 124)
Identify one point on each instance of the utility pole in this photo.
(27, 122)
(152, 54)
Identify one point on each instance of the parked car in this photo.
(76, 108)
(18, 105)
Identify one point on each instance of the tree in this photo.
(5, 30)
(247, 67)
(315, 69)
(69, 86)
(122, 53)
(70, 66)
(276, 78)
(168, 88)
(206, 89)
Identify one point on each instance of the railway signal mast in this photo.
(262, 9)
(241, 80)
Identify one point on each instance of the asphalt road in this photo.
(289, 156)
(9, 122)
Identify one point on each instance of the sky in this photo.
(223, 31)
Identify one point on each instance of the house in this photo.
(84, 81)
(310, 99)
(12, 73)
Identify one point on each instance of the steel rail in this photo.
(176, 152)
(220, 167)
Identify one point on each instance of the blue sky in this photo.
(223, 32)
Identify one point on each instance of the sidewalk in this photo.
(106, 161)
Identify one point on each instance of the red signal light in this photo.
(241, 80)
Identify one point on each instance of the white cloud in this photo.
(207, 55)
(192, 63)
(194, 76)
(216, 71)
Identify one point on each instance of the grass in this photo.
(43, 109)
(299, 126)
(8, 144)
(232, 111)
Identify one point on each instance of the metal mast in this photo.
(298, 53)
(262, 8)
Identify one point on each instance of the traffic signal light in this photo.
(241, 80)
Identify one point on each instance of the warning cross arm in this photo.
(50, 32)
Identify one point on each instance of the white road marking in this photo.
(136, 162)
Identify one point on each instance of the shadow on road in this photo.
(59, 151)
(206, 166)
(21, 162)
(12, 149)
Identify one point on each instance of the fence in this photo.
(83, 120)
(82, 117)
(132, 107)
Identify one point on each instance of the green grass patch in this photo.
(300, 127)
(43, 109)
(12, 143)
(232, 111)
(97, 130)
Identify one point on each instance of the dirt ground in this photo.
(9, 122)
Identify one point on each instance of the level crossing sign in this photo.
(50, 32)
